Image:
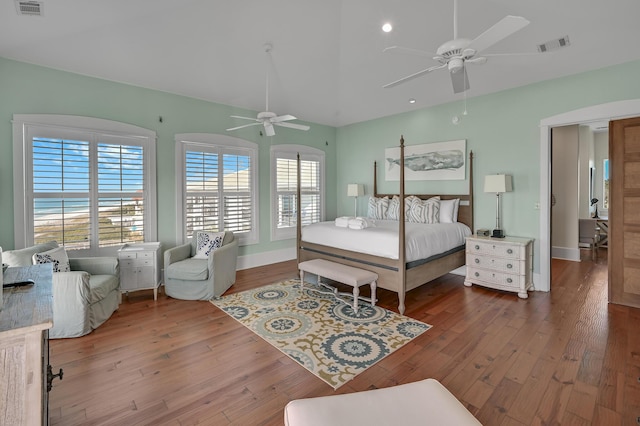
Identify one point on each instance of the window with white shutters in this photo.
(83, 186)
(284, 188)
(217, 179)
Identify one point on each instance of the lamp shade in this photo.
(355, 190)
(497, 183)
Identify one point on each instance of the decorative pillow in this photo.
(449, 210)
(57, 256)
(394, 207)
(425, 211)
(377, 208)
(206, 242)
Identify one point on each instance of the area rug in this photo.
(320, 332)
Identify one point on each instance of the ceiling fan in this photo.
(454, 54)
(267, 118)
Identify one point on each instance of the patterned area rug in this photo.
(323, 334)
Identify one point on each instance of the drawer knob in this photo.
(510, 251)
(477, 247)
(477, 260)
(509, 280)
(509, 266)
(477, 274)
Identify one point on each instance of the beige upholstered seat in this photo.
(589, 234)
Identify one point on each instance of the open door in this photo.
(624, 212)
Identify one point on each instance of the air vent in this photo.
(29, 8)
(554, 44)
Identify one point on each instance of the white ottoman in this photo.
(426, 402)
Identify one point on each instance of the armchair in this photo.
(84, 298)
(200, 279)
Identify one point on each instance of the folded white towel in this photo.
(343, 221)
(360, 223)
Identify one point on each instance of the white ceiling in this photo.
(327, 64)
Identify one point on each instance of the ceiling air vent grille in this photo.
(554, 44)
(29, 8)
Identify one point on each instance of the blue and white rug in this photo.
(323, 334)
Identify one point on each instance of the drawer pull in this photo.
(477, 247)
(509, 266)
(477, 260)
(477, 274)
(510, 251)
(509, 280)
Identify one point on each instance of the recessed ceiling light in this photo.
(412, 101)
(387, 27)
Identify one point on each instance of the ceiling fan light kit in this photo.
(454, 54)
(267, 118)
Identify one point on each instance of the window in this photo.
(216, 178)
(88, 184)
(284, 188)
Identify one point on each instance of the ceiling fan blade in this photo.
(242, 127)
(285, 117)
(407, 50)
(244, 118)
(412, 76)
(502, 29)
(268, 127)
(459, 81)
(293, 126)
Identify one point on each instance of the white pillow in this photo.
(377, 207)
(425, 211)
(57, 256)
(206, 242)
(449, 210)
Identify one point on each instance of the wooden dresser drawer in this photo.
(512, 266)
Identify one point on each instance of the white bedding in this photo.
(422, 240)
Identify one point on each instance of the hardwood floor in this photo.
(564, 357)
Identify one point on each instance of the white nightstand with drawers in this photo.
(500, 263)
(140, 267)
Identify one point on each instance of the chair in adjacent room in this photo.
(203, 268)
(589, 233)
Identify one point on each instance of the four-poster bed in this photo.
(395, 274)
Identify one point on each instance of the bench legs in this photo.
(356, 291)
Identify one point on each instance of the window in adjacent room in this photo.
(87, 183)
(216, 189)
(284, 188)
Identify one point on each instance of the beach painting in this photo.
(431, 161)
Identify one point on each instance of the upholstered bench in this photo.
(426, 402)
(345, 274)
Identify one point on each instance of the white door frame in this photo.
(608, 111)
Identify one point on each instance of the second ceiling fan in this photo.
(456, 53)
(267, 118)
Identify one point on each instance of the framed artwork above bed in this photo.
(431, 161)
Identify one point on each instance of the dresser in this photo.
(140, 267)
(25, 320)
(500, 263)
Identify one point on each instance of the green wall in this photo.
(29, 89)
(502, 129)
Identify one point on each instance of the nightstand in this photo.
(140, 267)
(500, 263)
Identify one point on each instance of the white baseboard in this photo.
(566, 253)
(265, 258)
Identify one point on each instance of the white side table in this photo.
(500, 263)
(140, 267)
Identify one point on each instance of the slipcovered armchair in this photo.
(189, 278)
(83, 298)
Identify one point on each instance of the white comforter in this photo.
(422, 240)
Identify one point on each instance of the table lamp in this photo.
(498, 184)
(355, 190)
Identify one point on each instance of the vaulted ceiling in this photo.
(327, 64)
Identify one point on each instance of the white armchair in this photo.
(84, 298)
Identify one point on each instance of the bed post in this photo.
(471, 189)
(298, 211)
(375, 178)
(402, 268)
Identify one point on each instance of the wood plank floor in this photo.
(564, 357)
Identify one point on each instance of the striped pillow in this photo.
(377, 208)
(394, 207)
(425, 211)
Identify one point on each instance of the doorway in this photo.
(602, 112)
